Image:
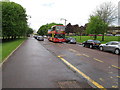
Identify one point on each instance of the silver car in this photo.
(40, 38)
(113, 46)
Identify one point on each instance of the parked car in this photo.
(91, 43)
(35, 36)
(117, 35)
(40, 38)
(109, 34)
(71, 40)
(113, 46)
(91, 35)
(99, 35)
(45, 36)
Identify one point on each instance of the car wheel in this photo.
(83, 45)
(117, 51)
(91, 46)
(101, 48)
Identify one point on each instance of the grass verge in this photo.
(107, 38)
(7, 47)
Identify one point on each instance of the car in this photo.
(40, 38)
(113, 46)
(91, 35)
(35, 36)
(117, 35)
(99, 35)
(109, 34)
(71, 40)
(91, 43)
(45, 36)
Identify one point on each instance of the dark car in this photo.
(71, 40)
(35, 36)
(91, 43)
(113, 46)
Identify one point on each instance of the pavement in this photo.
(34, 66)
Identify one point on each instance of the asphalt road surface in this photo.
(33, 66)
(36, 65)
(101, 67)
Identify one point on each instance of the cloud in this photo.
(48, 4)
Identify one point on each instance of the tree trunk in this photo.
(12, 37)
(18, 36)
(95, 37)
(103, 37)
(80, 36)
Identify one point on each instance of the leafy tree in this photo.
(96, 26)
(14, 21)
(108, 13)
(44, 28)
(29, 31)
(69, 28)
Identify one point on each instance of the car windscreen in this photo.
(73, 39)
(97, 41)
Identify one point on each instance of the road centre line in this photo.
(118, 76)
(78, 54)
(72, 50)
(98, 60)
(114, 86)
(85, 55)
(115, 67)
(101, 79)
(81, 73)
(93, 58)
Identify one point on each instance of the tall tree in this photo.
(29, 31)
(68, 28)
(96, 26)
(107, 12)
(81, 30)
(14, 21)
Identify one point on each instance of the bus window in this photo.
(60, 36)
(50, 35)
(53, 29)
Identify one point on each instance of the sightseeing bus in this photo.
(57, 33)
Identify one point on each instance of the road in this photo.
(102, 67)
(38, 64)
(33, 66)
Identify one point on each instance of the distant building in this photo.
(119, 13)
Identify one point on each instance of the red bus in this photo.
(57, 33)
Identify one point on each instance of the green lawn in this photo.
(107, 38)
(7, 47)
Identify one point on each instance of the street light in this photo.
(64, 20)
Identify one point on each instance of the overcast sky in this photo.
(47, 11)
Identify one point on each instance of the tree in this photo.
(107, 12)
(14, 21)
(76, 29)
(29, 31)
(69, 28)
(44, 28)
(96, 26)
(81, 30)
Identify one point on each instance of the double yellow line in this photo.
(81, 73)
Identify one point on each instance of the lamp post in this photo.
(64, 20)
